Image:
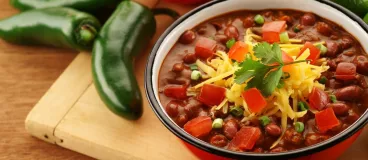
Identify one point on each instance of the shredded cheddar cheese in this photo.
(297, 87)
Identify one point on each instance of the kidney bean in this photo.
(172, 108)
(221, 47)
(293, 137)
(332, 49)
(267, 13)
(179, 81)
(182, 119)
(334, 36)
(257, 30)
(221, 38)
(190, 58)
(178, 67)
(349, 53)
(308, 19)
(202, 112)
(231, 32)
(258, 150)
(278, 149)
(352, 117)
(190, 110)
(314, 138)
(217, 25)
(261, 140)
(218, 140)
(187, 37)
(230, 128)
(288, 19)
(332, 64)
(349, 93)
(273, 130)
(324, 29)
(339, 108)
(346, 42)
(343, 58)
(334, 84)
(362, 80)
(362, 64)
(219, 114)
(194, 102)
(248, 22)
(291, 34)
(186, 73)
(202, 30)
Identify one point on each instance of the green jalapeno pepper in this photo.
(58, 27)
(83, 5)
(125, 34)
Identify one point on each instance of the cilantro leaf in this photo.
(249, 69)
(230, 43)
(268, 54)
(271, 81)
(257, 80)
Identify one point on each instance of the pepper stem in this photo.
(87, 34)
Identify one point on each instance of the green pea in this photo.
(236, 111)
(265, 120)
(259, 19)
(217, 123)
(299, 127)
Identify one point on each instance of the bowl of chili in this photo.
(300, 67)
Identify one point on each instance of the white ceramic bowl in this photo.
(325, 9)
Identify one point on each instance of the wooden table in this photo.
(25, 75)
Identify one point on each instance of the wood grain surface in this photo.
(26, 73)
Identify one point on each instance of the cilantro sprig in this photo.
(266, 73)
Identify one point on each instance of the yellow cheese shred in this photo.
(214, 79)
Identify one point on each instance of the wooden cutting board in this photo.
(72, 115)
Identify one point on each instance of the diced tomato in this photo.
(255, 100)
(314, 52)
(318, 99)
(199, 127)
(211, 94)
(238, 51)
(345, 71)
(205, 47)
(286, 59)
(271, 31)
(245, 138)
(326, 120)
(176, 91)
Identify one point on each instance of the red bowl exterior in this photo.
(331, 153)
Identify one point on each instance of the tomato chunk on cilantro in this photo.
(271, 31)
(314, 52)
(286, 59)
(326, 120)
(205, 47)
(238, 51)
(255, 100)
(211, 94)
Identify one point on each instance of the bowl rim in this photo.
(154, 102)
